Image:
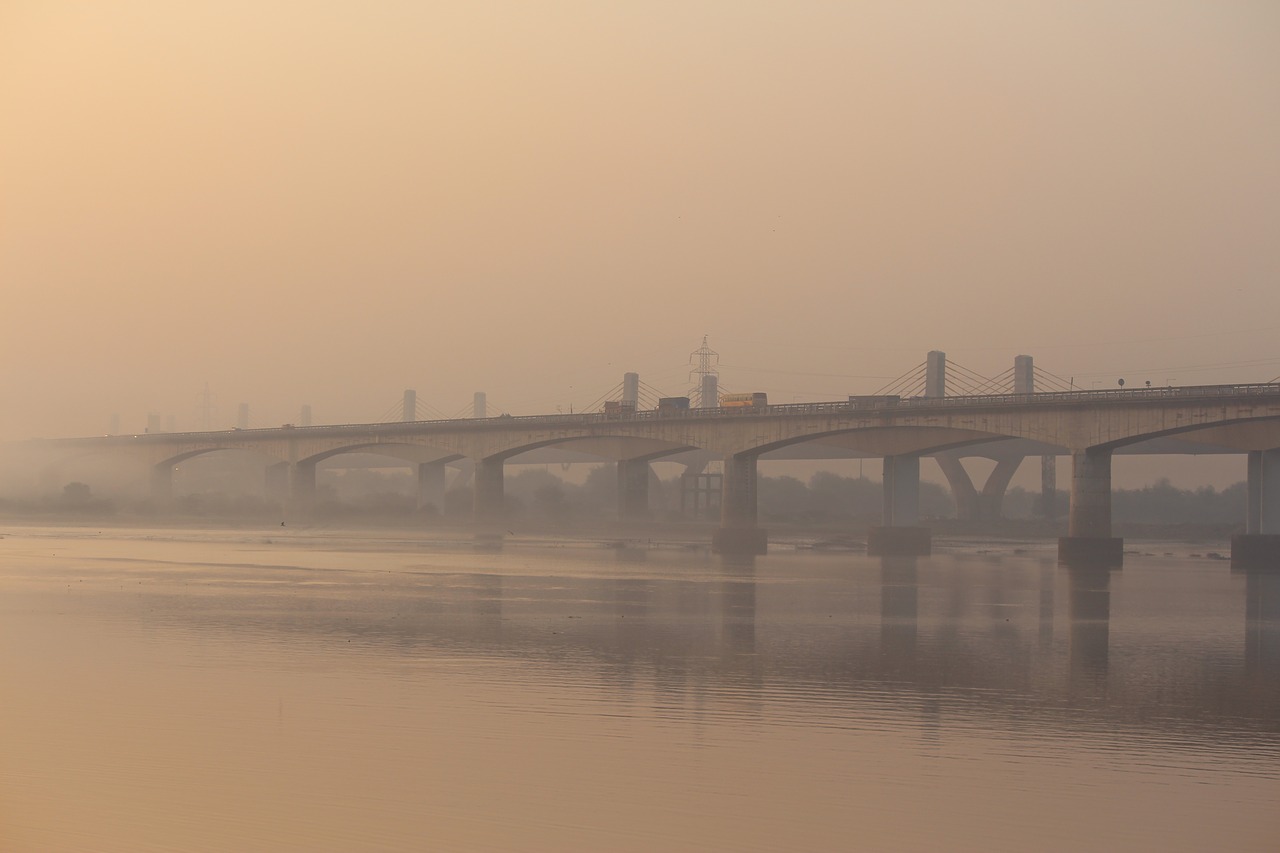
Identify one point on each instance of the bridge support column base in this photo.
(1256, 550)
(740, 540)
(1096, 551)
(899, 542)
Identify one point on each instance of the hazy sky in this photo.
(329, 202)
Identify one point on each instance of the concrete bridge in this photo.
(1090, 426)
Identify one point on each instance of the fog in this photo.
(326, 203)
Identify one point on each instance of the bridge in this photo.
(1090, 426)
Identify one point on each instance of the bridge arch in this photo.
(884, 440)
(632, 453)
(404, 452)
(162, 471)
(1244, 434)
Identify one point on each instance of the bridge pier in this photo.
(1259, 545)
(739, 533)
(431, 486)
(900, 534)
(1089, 540)
(633, 489)
(490, 498)
(968, 507)
(971, 504)
(162, 483)
(275, 480)
(302, 484)
(991, 501)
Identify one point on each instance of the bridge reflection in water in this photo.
(1005, 631)
(431, 681)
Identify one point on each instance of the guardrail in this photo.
(1189, 393)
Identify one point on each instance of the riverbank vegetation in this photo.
(536, 496)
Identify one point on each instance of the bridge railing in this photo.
(861, 406)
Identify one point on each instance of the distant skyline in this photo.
(324, 203)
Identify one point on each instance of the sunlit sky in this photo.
(330, 202)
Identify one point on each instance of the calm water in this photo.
(187, 690)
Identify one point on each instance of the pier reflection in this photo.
(738, 604)
(1089, 613)
(1262, 622)
(932, 631)
(899, 613)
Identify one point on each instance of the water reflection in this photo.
(1048, 571)
(1262, 622)
(738, 604)
(899, 613)
(1089, 611)
(570, 697)
(926, 630)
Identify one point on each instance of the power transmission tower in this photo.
(705, 389)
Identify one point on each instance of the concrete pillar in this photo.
(302, 483)
(1260, 545)
(1049, 487)
(276, 482)
(1090, 494)
(738, 531)
(991, 502)
(1024, 375)
(901, 491)
(153, 422)
(899, 533)
(631, 389)
(431, 486)
(1268, 490)
(1253, 505)
(115, 424)
(490, 499)
(304, 416)
(633, 489)
(935, 374)
(709, 392)
(970, 504)
(409, 410)
(479, 405)
(963, 493)
(1089, 540)
(162, 483)
(242, 416)
(700, 492)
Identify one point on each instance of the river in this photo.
(296, 690)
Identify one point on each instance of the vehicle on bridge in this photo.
(873, 401)
(669, 405)
(618, 408)
(754, 400)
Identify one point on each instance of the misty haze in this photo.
(579, 426)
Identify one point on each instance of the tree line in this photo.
(538, 495)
